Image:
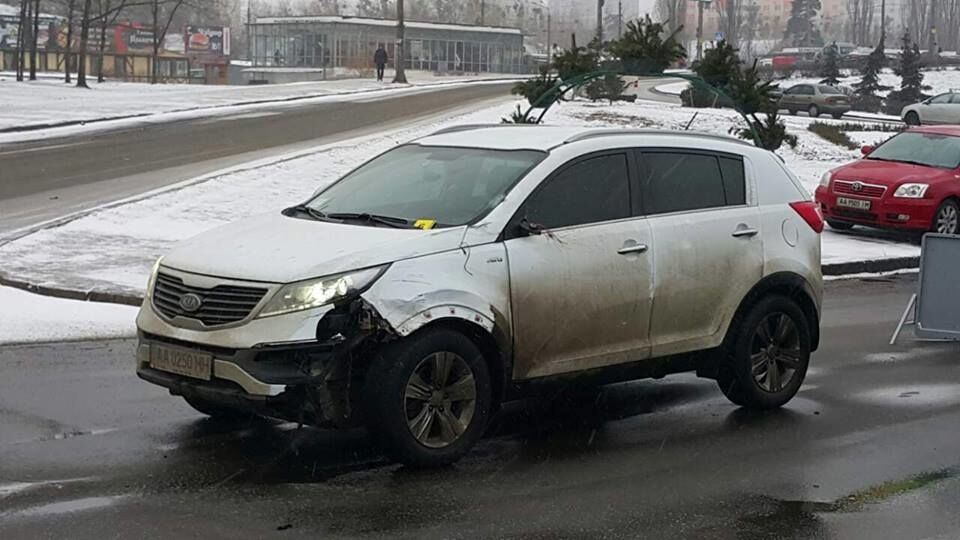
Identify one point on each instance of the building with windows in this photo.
(330, 46)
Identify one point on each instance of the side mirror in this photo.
(529, 229)
(866, 150)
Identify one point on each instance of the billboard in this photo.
(207, 40)
(48, 34)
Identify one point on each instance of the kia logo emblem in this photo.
(190, 302)
(857, 186)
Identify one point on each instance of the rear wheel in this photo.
(840, 225)
(767, 355)
(912, 119)
(814, 111)
(837, 116)
(428, 398)
(793, 112)
(947, 218)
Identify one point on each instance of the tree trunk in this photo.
(104, 9)
(22, 39)
(84, 38)
(71, 8)
(34, 39)
(400, 58)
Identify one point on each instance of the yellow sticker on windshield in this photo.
(425, 224)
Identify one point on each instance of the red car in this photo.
(910, 182)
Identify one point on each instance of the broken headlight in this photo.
(319, 292)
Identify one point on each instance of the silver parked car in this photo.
(815, 99)
(942, 109)
(456, 272)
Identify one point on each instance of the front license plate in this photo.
(853, 203)
(182, 362)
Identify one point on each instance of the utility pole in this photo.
(549, 35)
(483, 12)
(620, 19)
(883, 21)
(400, 59)
(700, 4)
(600, 20)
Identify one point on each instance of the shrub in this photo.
(535, 88)
(834, 134)
(643, 49)
(772, 131)
(518, 117)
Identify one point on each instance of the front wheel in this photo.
(428, 398)
(947, 218)
(766, 355)
(912, 119)
(814, 111)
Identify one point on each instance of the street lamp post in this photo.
(700, 6)
(600, 20)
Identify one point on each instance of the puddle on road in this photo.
(913, 395)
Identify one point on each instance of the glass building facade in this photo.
(350, 42)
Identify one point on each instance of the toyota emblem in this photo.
(857, 186)
(190, 303)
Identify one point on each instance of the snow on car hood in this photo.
(280, 249)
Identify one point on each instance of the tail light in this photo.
(810, 212)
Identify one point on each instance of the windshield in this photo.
(445, 185)
(927, 149)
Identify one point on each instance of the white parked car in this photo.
(942, 109)
(456, 272)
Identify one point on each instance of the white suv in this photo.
(456, 272)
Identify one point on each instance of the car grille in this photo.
(854, 214)
(220, 305)
(866, 190)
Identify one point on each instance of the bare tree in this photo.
(730, 14)
(672, 12)
(34, 39)
(162, 12)
(84, 38)
(400, 57)
(71, 11)
(22, 39)
(860, 21)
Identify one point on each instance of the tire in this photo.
(396, 404)
(745, 375)
(946, 220)
(837, 116)
(840, 225)
(214, 410)
(793, 112)
(814, 111)
(912, 119)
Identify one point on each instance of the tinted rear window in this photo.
(829, 90)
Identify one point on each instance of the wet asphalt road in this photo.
(88, 451)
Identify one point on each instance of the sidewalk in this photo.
(49, 103)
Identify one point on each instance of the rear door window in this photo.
(678, 181)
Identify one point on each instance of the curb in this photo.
(871, 267)
(829, 270)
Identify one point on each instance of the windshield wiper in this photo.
(389, 221)
(308, 210)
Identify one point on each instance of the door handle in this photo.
(639, 248)
(745, 233)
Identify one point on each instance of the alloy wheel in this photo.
(440, 399)
(775, 352)
(947, 219)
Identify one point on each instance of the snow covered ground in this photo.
(26, 317)
(112, 249)
(48, 102)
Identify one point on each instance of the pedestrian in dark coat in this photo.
(380, 59)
